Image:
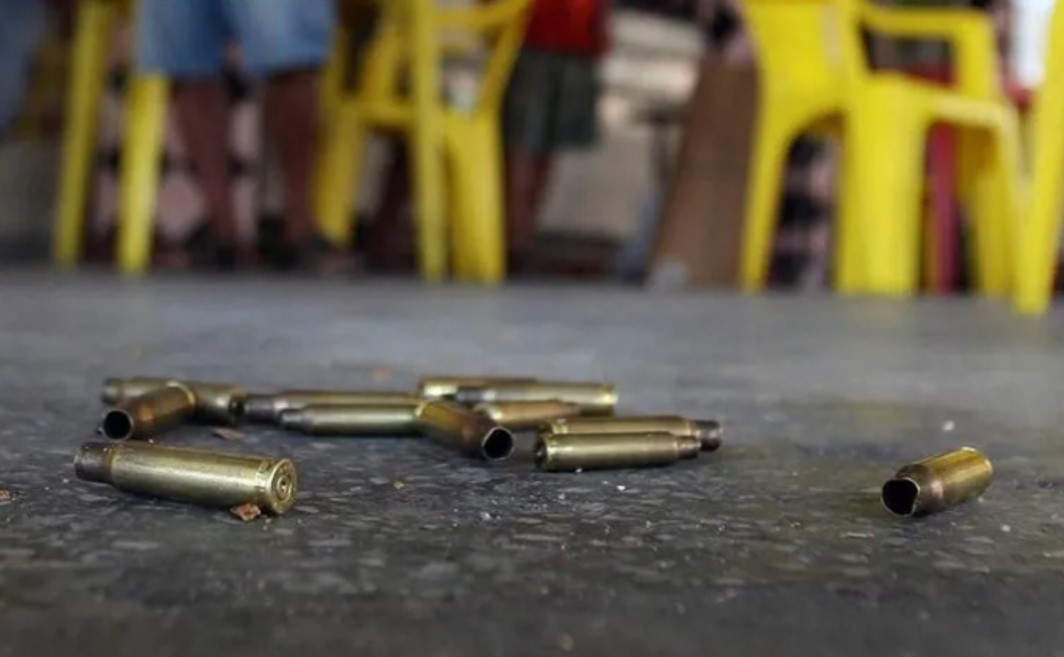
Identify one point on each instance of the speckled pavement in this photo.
(775, 545)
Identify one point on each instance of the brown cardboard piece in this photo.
(700, 235)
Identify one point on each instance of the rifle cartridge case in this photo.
(154, 412)
(593, 398)
(938, 483)
(268, 408)
(116, 389)
(215, 402)
(446, 387)
(189, 475)
(709, 432)
(361, 420)
(569, 452)
(526, 415)
(462, 428)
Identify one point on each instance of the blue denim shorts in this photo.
(187, 38)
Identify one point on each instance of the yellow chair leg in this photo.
(887, 161)
(982, 206)
(339, 165)
(458, 203)
(771, 143)
(145, 124)
(478, 241)
(846, 235)
(995, 211)
(1039, 234)
(426, 144)
(88, 68)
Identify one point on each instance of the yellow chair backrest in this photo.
(500, 24)
(812, 43)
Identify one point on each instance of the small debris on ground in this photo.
(227, 434)
(949, 425)
(398, 485)
(5, 495)
(566, 643)
(246, 512)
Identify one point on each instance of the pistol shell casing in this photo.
(188, 475)
(217, 403)
(709, 432)
(268, 408)
(446, 387)
(527, 415)
(569, 452)
(361, 420)
(593, 398)
(154, 412)
(938, 483)
(461, 428)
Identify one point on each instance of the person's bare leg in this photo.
(202, 109)
(391, 246)
(544, 168)
(291, 110)
(527, 176)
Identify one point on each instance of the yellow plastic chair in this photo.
(144, 107)
(413, 38)
(1039, 242)
(813, 74)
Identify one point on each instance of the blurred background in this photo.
(635, 141)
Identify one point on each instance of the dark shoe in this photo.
(205, 251)
(312, 254)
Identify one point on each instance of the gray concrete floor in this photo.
(774, 545)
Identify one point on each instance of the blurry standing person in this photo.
(724, 34)
(283, 41)
(551, 105)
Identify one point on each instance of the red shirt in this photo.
(576, 27)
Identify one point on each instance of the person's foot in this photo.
(519, 263)
(207, 251)
(312, 253)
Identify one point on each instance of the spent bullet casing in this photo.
(361, 420)
(569, 452)
(154, 412)
(446, 387)
(188, 475)
(221, 403)
(464, 429)
(527, 415)
(268, 408)
(709, 432)
(939, 482)
(593, 398)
